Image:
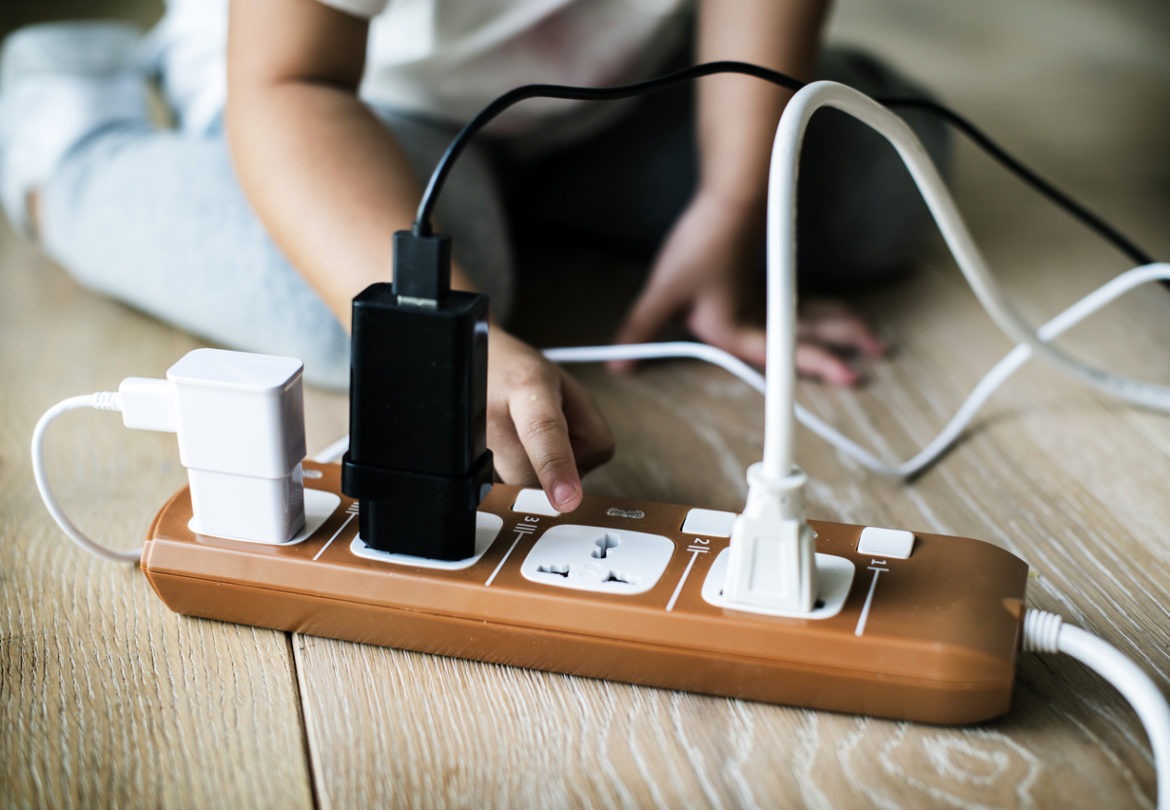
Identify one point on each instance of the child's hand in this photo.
(827, 333)
(705, 275)
(541, 424)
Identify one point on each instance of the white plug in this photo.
(241, 428)
(772, 561)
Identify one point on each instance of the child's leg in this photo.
(158, 220)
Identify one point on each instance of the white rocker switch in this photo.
(895, 543)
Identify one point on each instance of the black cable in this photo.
(1045, 188)
(422, 223)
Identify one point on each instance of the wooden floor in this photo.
(107, 699)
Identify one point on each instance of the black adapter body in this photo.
(418, 462)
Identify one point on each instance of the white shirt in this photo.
(446, 59)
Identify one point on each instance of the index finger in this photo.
(834, 324)
(544, 434)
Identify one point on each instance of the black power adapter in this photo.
(418, 462)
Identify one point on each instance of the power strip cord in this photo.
(785, 153)
(1047, 633)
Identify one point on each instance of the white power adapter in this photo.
(240, 421)
(241, 426)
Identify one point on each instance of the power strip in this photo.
(919, 626)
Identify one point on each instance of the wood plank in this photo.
(107, 698)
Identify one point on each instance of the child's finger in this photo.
(508, 455)
(833, 324)
(749, 344)
(819, 363)
(544, 433)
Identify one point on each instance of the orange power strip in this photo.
(627, 591)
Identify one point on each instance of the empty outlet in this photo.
(590, 558)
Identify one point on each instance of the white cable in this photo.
(333, 452)
(997, 376)
(1047, 633)
(779, 386)
(104, 401)
(983, 390)
(781, 241)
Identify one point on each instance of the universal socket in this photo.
(931, 638)
(598, 558)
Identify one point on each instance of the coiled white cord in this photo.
(102, 401)
(1000, 373)
(1047, 633)
(781, 250)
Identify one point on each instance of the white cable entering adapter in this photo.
(240, 420)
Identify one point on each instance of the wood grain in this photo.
(105, 699)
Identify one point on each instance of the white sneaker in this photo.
(59, 83)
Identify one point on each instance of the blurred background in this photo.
(15, 13)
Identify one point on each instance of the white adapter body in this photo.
(241, 424)
(240, 421)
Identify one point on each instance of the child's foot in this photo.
(60, 83)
